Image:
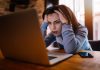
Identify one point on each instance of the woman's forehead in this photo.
(53, 16)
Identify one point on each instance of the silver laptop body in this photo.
(21, 39)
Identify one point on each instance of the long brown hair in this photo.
(68, 14)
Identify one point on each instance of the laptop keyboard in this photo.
(51, 57)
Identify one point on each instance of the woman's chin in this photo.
(56, 34)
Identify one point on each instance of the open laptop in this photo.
(21, 39)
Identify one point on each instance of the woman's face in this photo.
(54, 24)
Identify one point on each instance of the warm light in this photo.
(96, 19)
(77, 6)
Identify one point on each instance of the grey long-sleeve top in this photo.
(71, 42)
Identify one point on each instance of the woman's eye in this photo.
(57, 22)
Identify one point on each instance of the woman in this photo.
(65, 29)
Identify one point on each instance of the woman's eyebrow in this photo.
(57, 20)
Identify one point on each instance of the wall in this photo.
(37, 4)
(40, 8)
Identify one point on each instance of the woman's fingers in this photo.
(57, 12)
(61, 16)
(45, 18)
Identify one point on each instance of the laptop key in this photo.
(51, 57)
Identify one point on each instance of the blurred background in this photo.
(86, 11)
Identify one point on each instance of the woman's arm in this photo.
(48, 38)
(44, 28)
(73, 42)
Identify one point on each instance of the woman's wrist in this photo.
(44, 25)
(64, 22)
(44, 22)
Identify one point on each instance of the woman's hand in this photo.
(62, 17)
(45, 19)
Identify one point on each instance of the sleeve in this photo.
(73, 42)
(47, 38)
(43, 29)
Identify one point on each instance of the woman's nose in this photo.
(53, 27)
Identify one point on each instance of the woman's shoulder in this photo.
(82, 28)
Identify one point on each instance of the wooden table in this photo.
(73, 63)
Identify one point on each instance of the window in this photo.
(77, 6)
(96, 19)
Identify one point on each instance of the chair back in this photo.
(95, 44)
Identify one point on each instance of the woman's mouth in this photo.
(54, 32)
